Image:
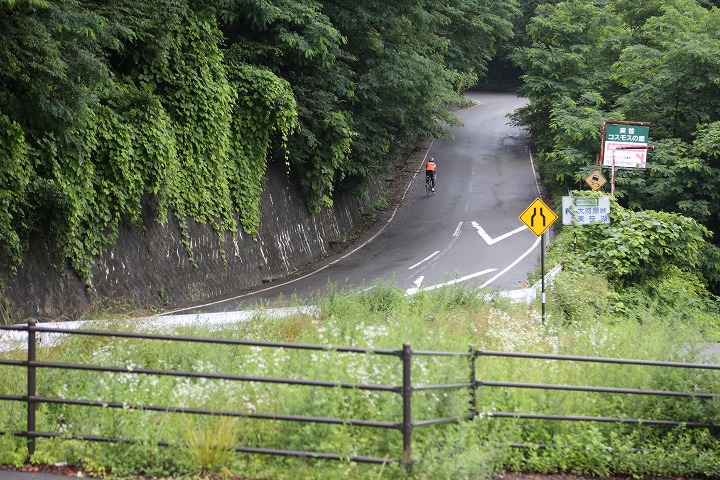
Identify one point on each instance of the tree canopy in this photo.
(587, 62)
(104, 104)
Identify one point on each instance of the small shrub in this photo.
(13, 450)
(209, 443)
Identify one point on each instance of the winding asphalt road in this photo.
(468, 232)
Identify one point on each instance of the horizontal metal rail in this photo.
(444, 386)
(406, 390)
(217, 341)
(17, 328)
(213, 376)
(253, 450)
(17, 363)
(575, 418)
(444, 420)
(579, 388)
(220, 413)
(617, 361)
(434, 353)
(13, 398)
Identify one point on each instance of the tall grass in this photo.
(580, 321)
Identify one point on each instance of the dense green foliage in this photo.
(649, 262)
(449, 319)
(586, 62)
(108, 106)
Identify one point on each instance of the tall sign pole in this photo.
(542, 273)
(538, 217)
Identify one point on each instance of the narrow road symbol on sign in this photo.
(538, 217)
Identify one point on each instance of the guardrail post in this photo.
(473, 383)
(407, 426)
(31, 381)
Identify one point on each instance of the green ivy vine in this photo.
(187, 126)
(15, 174)
(265, 109)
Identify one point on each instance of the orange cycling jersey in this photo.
(430, 167)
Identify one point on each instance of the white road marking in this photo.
(458, 229)
(528, 252)
(418, 281)
(424, 260)
(491, 241)
(412, 291)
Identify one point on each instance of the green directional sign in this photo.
(633, 134)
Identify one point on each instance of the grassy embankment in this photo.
(446, 320)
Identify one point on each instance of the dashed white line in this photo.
(424, 260)
(458, 230)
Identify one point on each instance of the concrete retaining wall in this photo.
(149, 267)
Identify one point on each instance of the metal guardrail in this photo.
(405, 390)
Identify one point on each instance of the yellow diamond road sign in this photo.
(538, 217)
(596, 180)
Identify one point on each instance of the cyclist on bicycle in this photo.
(430, 171)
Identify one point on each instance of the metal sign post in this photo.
(542, 274)
(538, 217)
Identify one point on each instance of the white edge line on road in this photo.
(458, 229)
(532, 165)
(528, 252)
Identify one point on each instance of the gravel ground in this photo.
(65, 470)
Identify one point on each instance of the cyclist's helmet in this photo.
(432, 159)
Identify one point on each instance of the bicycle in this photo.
(429, 186)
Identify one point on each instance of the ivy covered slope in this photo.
(185, 102)
(654, 61)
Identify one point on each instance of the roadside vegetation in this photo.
(106, 104)
(584, 62)
(177, 107)
(590, 312)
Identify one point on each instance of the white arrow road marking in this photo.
(424, 260)
(490, 240)
(416, 288)
(412, 291)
